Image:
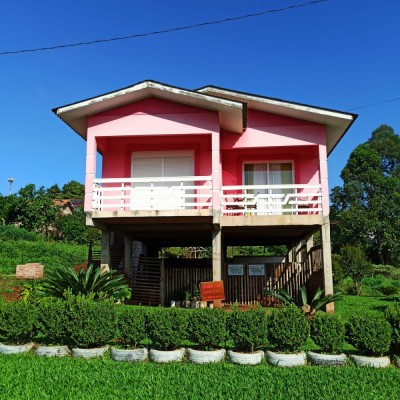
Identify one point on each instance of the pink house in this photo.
(208, 167)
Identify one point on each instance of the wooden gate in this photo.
(146, 282)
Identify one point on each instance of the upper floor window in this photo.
(268, 173)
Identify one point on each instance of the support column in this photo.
(309, 246)
(91, 149)
(323, 170)
(327, 261)
(127, 255)
(216, 176)
(105, 250)
(217, 254)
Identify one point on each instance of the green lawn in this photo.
(32, 377)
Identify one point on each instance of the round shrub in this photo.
(131, 326)
(288, 329)
(52, 322)
(90, 323)
(328, 332)
(18, 321)
(166, 327)
(207, 328)
(247, 329)
(392, 315)
(369, 334)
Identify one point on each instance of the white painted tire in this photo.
(205, 356)
(334, 360)
(15, 348)
(286, 360)
(130, 355)
(89, 353)
(375, 362)
(166, 356)
(52, 351)
(245, 358)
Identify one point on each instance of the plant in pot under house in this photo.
(52, 328)
(328, 332)
(371, 336)
(207, 329)
(18, 321)
(247, 330)
(130, 332)
(91, 325)
(392, 315)
(167, 329)
(288, 331)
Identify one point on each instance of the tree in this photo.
(367, 206)
(355, 265)
(55, 192)
(33, 209)
(73, 190)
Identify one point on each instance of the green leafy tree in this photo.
(33, 209)
(55, 192)
(367, 206)
(355, 265)
(73, 190)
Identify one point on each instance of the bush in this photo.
(369, 334)
(131, 326)
(17, 322)
(392, 315)
(167, 328)
(288, 329)
(11, 232)
(52, 328)
(328, 332)
(90, 323)
(247, 330)
(207, 328)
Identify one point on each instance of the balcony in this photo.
(292, 199)
(152, 194)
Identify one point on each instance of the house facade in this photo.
(210, 167)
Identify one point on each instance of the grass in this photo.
(32, 377)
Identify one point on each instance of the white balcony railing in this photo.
(271, 200)
(175, 193)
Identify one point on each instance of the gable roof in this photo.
(337, 122)
(75, 114)
(231, 106)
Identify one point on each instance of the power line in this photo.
(180, 28)
(374, 104)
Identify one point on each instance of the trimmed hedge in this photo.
(247, 330)
(288, 329)
(392, 315)
(17, 322)
(370, 335)
(131, 327)
(328, 331)
(207, 328)
(166, 328)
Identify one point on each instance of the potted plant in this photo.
(91, 325)
(288, 331)
(248, 332)
(371, 336)
(18, 321)
(207, 329)
(195, 299)
(328, 332)
(167, 329)
(52, 328)
(130, 332)
(186, 297)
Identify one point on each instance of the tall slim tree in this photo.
(367, 206)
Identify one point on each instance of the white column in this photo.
(91, 149)
(105, 250)
(327, 261)
(217, 254)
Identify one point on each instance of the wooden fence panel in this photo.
(146, 281)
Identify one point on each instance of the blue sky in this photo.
(338, 54)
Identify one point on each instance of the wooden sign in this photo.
(212, 291)
(235, 269)
(256, 270)
(29, 271)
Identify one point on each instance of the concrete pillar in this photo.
(91, 150)
(327, 261)
(217, 254)
(105, 250)
(309, 245)
(323, 169)
(216, 174)
(127, 255)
